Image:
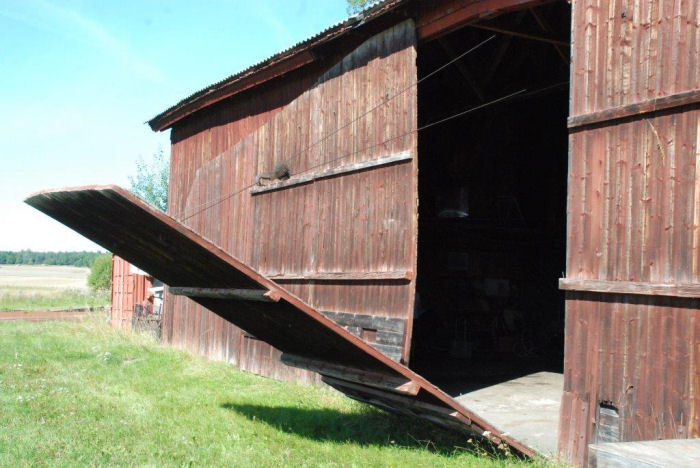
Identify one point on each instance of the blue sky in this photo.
(78, 79)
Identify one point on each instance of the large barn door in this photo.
(633, 264)
(340, 233)
(196, 268)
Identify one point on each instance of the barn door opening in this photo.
(492, 211)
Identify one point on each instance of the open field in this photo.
(80, 393)
(37, 287)
(44, 277)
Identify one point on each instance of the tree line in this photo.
(29, 257)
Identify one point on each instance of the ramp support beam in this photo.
(260, 295)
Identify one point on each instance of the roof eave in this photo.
(218, 92)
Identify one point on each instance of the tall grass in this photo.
(80, 393)
(23, 298)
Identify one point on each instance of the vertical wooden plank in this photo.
(695, 250)
(694, 378)
(212, 160)
(624, 52)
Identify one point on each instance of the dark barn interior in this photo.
(492, 211)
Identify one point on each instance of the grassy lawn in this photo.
(37, 298)
(80, 393)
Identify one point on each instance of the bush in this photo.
(101, 273)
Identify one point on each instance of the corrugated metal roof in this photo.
(370, 12)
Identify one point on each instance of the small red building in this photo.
(130, 288)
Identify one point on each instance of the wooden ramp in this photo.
(194, 267)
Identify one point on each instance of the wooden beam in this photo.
(343, 276)
(439, 18)
(523, 35)
(438, 414)
(376, 322)
(402, 401)
(409, 388)
(260, 295)
(631, 287)
(544, 26)
(637, 109)
(386, 382)
(501, 50)
(468, 78)
(332, 172)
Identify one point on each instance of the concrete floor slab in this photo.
(674, 453)
(527, 408)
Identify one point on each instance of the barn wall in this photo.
(195, 142)
(128, 289)
(634, 216)
(345, 226)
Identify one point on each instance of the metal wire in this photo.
(207, 205)
(369, 111)
(388, 99)
(432, 124)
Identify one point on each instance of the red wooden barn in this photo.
(497, 197)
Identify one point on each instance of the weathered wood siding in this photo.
(195, 142)
(634, 216)
(336, 241)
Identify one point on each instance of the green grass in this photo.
(24, 298)
(80, 393)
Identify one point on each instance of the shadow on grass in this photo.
(370, 427)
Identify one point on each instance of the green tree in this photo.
(29, 257)
(355, 6)
(151, 180)
(101, 273)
